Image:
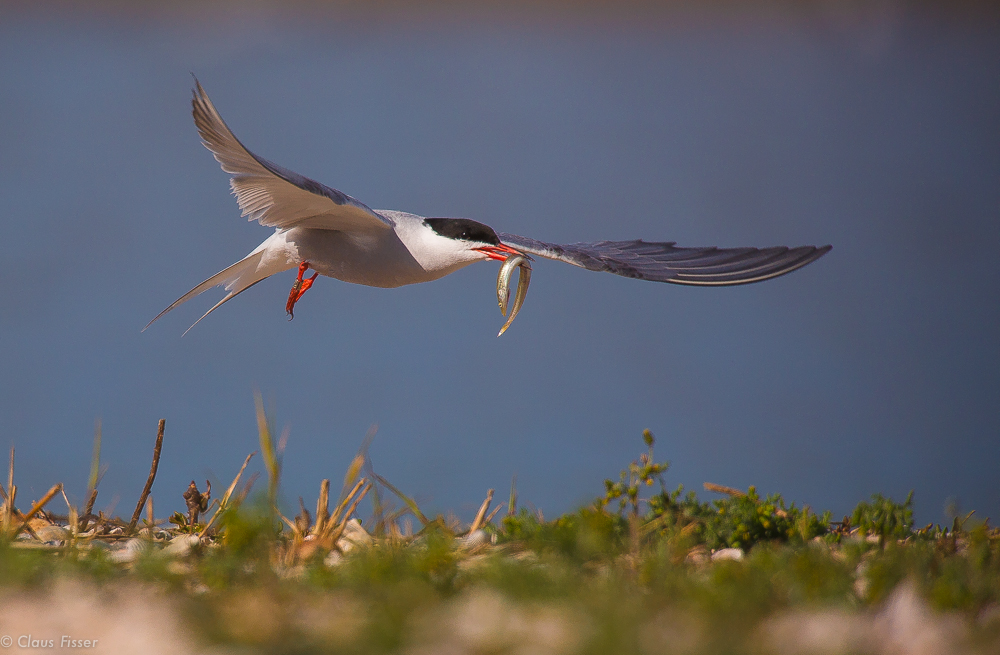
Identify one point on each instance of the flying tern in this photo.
(319, 228)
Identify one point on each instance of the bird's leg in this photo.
(299, 288)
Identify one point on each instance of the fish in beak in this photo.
(512, 259)
(503, 286)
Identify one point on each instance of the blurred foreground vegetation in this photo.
(643, 569)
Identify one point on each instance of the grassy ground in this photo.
(641, 570)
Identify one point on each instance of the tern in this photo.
(317, 227)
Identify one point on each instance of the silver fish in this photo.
(503, 281)
(503, 287)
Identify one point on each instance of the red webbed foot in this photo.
(298, 289)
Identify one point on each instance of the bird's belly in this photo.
(373, 259)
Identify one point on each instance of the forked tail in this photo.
(237, 278)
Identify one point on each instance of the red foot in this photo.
(298, 289)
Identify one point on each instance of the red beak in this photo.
(499, 253)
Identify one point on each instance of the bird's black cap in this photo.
(464, 229)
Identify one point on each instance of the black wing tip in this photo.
(813, 253)
(198, 90)
(800, 256)
(201, 110)
(198, 94)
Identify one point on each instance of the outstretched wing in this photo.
(665, 262)
(271, 194)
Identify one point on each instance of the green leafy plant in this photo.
(745, 520)
(183, 527)
(642, 472)
(884, 517)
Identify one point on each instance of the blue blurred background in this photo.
(874, 127)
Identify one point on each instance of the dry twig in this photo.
(7, 516)
(322, 507)
(37, 507)
(719, 489)
(149, 480)
(496, 510)
(94, 478)
(71, 516)
(224, 503)
(334, 535)
(403, 497)
(478, 521)
(335, 517)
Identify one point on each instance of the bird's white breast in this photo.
(378, 259)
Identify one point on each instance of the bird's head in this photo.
(475, 238)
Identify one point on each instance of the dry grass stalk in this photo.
(95, 476)
(361, 459)
(322, 508)
(49, 495)
(378, 507)
(360, 462)
(406, 499)
(335, 532)
(291, 524)
(268, 452)
(72, 518)
(10, 472)
(299, 548)
(478, 521)
(335, 517)
(224, 503)
(302, 519)
(9, 513)
(354, 505)
(104, 515)
(95, 459)
(149, 513)
(5, 513)
(351, 475)
(8, 509)
(88, 509)
(489, 519)
(245, 491)
(10, 477)
(149, 480)
(389, 523)
(512, 501)
(719, 489)
(288, 522)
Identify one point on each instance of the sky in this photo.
(874, 369)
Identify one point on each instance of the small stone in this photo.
(181, 545)
(475, 539)
(735, 554)
(354, 535)
(130, 552)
